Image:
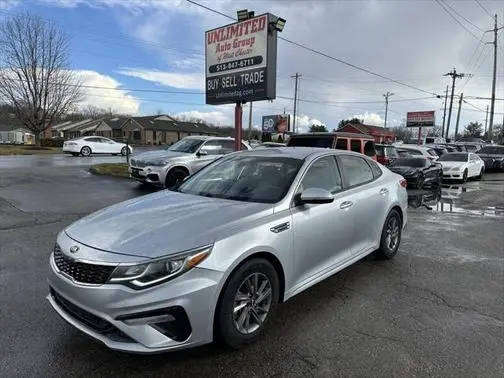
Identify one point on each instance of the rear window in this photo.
(311, 141)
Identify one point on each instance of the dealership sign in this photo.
(278, 123)
(241, 61)
(420, 119)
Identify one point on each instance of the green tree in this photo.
(403, 133)
(343, 122)
(474, 129)
(318, 128)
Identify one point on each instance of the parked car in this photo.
(415, 150)
(470, 147)
(418, 171)
(166, 168)
(270, 144)
(88, 145)
(174, 269)
(361, 143)
(385, 154)
(462, 166)
(440, 150)
(458, 147)
(493, 157)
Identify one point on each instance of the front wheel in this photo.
(390, 236)
(248, 301)
(464, 176)
(174, 177)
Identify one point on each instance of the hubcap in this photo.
(392, 233)
(252, 303)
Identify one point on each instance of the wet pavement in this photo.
(435, 310)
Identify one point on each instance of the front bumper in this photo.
(104, 312)
(150, 175)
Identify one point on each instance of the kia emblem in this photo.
(74, 249)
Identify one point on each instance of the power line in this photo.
(442, 5)
(461, 16)
(484, 9)
(325, 54)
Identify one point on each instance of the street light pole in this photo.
(296, 76)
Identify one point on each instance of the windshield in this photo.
(408, 162)
(310, 141)
(453, 157)
(492, 150)
(245, 178)
(187, 145)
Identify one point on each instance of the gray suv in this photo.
(166, 168)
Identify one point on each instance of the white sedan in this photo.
(86, 146)
(461, 166)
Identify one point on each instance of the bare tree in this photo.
(35, 75)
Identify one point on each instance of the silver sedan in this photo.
(214, 258)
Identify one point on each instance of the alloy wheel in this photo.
(392, 233)
(86, 151)
(252, 303)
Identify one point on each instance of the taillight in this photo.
(403, 183)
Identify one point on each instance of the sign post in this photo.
(420, 119)
(240, 61)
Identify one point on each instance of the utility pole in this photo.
(492, 101)
(250, 122)
(444, 113)
(458, 115)
(454, 76)
(296, 76)
(386, 95)
(486, 121)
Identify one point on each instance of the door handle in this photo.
(383, 191)
(346, 205)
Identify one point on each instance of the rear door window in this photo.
(355, 145)
(356, 171)
(311, 141)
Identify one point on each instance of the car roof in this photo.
(298, 152)
(207, 137)
(335, 134)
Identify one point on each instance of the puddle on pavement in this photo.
(445, 199)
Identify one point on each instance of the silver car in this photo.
(174, 269)
(167, 168)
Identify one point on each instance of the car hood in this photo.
(452, 164)
(404, 170)
(156, 155)
(163, 223)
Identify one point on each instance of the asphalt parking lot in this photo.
(437, 309)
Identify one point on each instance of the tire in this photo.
(420, 181)
(174, 177)
(480, 176)
(85, 151)
(237, 329)
(464, 176)
(393, 227)
(123, 151)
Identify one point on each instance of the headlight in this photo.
(141, 276)
(157, 163)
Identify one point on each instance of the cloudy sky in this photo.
(159, 44)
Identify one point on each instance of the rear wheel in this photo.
(85, 151)
(175, 176)
(124, 151)
(391, 236)
(247, 302)
(480, 176)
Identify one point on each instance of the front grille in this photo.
(92, 321)
(81, 272)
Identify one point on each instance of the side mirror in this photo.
(315, 195)
(202, 153)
